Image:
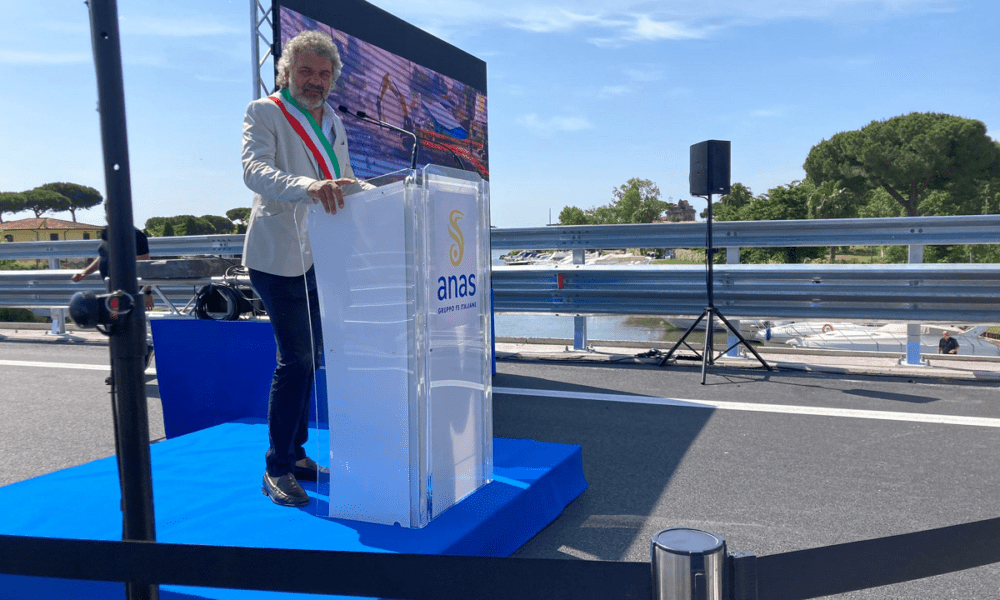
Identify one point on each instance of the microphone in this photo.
(461, 165)
(364, 117)
(413, 165)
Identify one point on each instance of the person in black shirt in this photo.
(947, 345)
(101, 262)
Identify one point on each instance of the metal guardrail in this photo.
(965, 293)
(897, 231)
(226, 245)
(915, 292)
(53, 289)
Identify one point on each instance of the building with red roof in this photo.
(47, 228)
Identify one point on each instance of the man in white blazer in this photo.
(294, 154)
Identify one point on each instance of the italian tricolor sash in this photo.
(305, 125)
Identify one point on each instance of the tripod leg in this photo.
(670, 352)
(743, 341)
(706, 354)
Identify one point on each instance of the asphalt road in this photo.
(782, 461)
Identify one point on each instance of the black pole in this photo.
(710, 251)
(708, 350)
(710, 313)
(128, 337)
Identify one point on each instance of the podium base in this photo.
(533, 483)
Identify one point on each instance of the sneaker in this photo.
(284, 490)
(306, 469)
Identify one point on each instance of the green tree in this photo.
(221, 225)
(192, 225)
(739, 196)
(240, 215)
(42, 201)
(183, 225)
(636, 201)
(829, 201)
(81, 197)
(780, 203)
(909, 157)
(154, 226)
(11, 202)
(571, 215)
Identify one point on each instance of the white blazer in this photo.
(279, 168)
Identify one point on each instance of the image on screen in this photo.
(447, 115)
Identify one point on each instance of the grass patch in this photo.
(649, 323)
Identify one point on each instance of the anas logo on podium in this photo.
(456, 286)
(458, 248)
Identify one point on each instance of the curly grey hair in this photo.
(310, 41)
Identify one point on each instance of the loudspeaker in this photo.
(709, 168)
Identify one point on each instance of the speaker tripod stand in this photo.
(709, 314)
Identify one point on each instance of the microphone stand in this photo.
(708, 352)
(364, 117)
(413, 159)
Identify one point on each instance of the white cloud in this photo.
(549, 126)
(610, 91)
(614, 24)
(551, 19)
(645, 28)
(609, 43)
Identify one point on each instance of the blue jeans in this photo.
(288, 301)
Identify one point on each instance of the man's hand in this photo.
(330, 193)
(77, 277)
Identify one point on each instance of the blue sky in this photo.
(583, 94)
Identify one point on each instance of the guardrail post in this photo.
(58, 315)
(688, 564)
(916, 257)
(579, 323)
(58, 321)
(732, 342)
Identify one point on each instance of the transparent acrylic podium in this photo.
(403, 275)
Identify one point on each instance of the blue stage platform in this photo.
(207, 491)
(213, 379)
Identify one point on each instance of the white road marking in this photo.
(765, 408)
(580, 554)
(54, 365)
(51, 365)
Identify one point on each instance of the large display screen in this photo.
(422, 85)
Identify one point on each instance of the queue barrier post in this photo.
(688, 564)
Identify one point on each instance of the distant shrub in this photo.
(16, 315)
